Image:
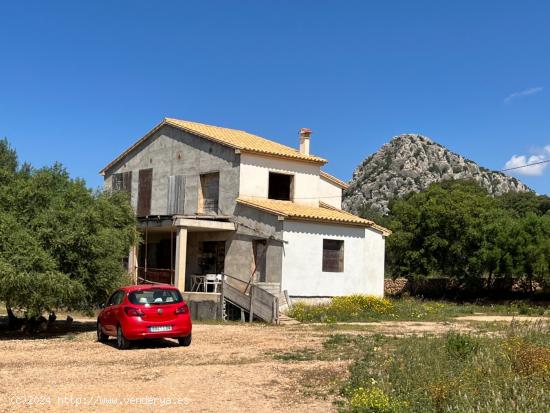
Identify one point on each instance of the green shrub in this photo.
(461, 346)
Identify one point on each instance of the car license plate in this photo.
(156, 329)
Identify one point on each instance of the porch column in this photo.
(132, 264)
(181, 255)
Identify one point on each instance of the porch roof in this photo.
(193, 224)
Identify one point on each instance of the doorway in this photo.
(259, 249)
(212, 257)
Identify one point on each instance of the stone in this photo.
(410, 163)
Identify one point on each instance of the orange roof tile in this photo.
(233, 138)
(322, 213)
(334, 180)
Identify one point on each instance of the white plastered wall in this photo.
(329, 193)
(302, 273)
(254, 177)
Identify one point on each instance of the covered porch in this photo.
(180, 250)
(187, 251)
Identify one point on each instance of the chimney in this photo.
(305, 133)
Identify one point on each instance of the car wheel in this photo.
(101, 336)
(122, 342)
(185, 341)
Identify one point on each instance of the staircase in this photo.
(273, 288)
(251, 298)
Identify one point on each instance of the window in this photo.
(155, 296)
(209, 193)
(280, 186)
(116, 298)
(122, 182)
(333, 255)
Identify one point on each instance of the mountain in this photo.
(410, 163)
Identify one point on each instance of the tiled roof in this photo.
(334, 180)
(243, 140)
(322, 213)
(233, 138)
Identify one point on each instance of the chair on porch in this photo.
(212, 279)
(197, 282)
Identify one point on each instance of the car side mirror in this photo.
(102, 305)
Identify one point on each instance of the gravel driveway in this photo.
(227, 368)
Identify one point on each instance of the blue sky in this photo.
(81, 81)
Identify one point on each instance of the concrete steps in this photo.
(286, 320)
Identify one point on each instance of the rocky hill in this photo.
(410, 163)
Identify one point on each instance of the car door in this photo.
(109, 319)
(117, 309)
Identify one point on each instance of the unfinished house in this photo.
(222, 209)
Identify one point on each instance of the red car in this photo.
(138, 312)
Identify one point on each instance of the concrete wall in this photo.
(254, 224)
(254, 177)
(375, 253)
(203, 306)
(329, 193)
(303, 257)
(171, 151)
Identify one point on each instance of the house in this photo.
(211, 199)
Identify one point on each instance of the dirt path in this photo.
(403, 328)
(227, 368)
(502, 318)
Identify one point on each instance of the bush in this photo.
(461, 346)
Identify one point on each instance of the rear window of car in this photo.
(155, 296)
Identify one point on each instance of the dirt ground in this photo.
(227, 368)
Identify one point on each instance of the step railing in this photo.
(256, 301)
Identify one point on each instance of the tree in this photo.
(523, 203)
(456, 229)
(439, 232)
(61, 244)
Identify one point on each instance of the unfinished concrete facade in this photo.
(213, 200)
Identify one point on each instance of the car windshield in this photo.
(155, 296)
